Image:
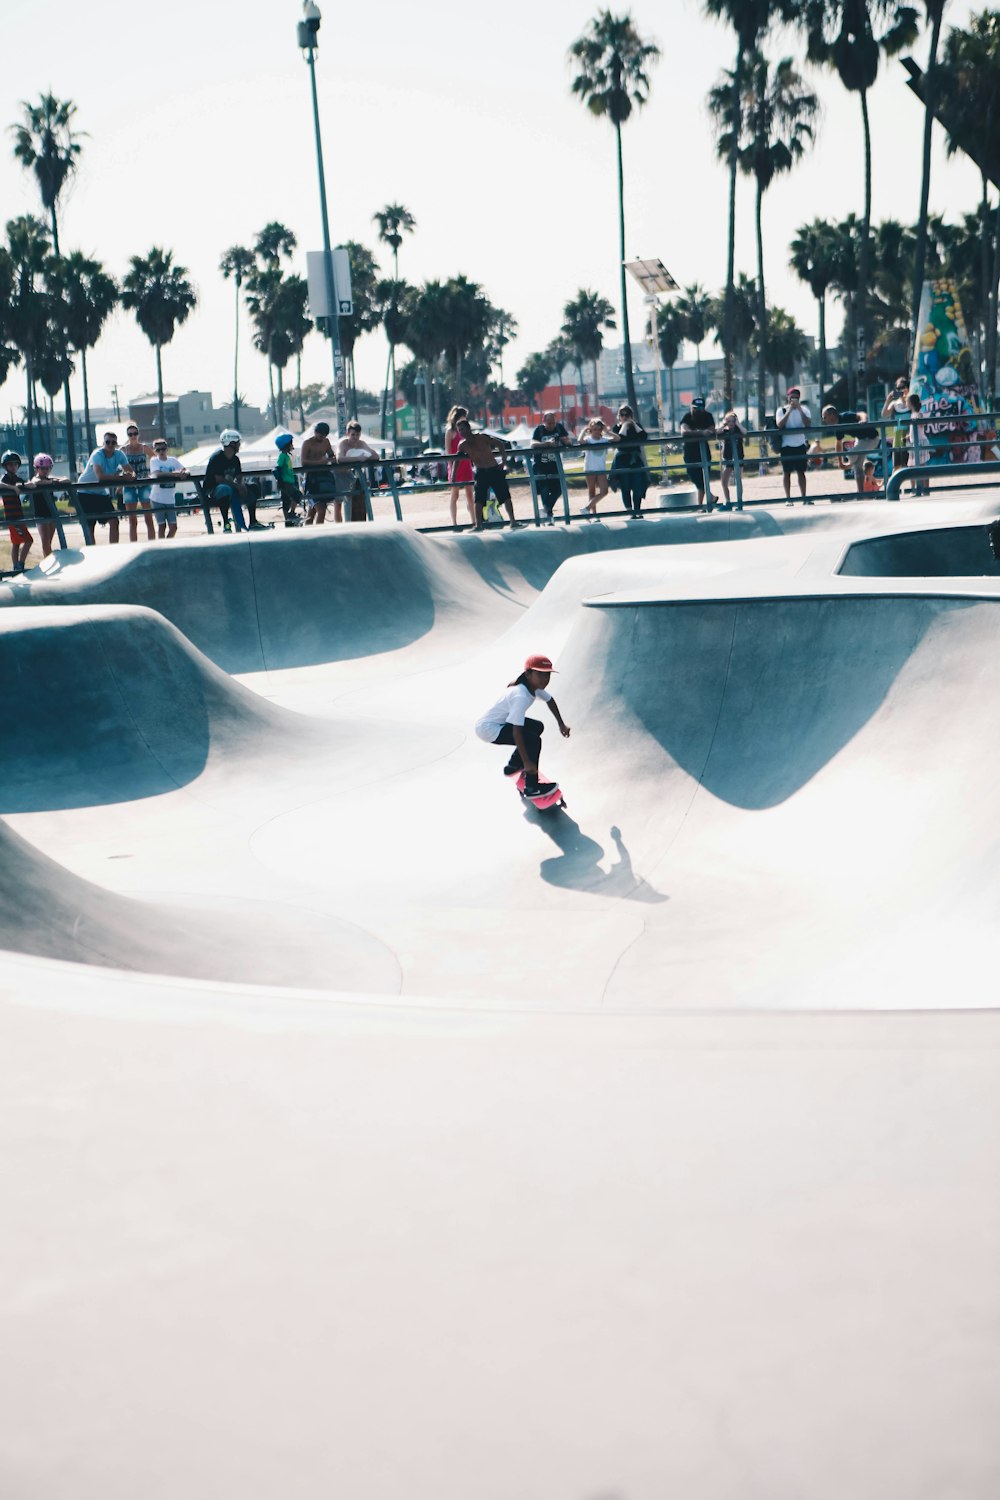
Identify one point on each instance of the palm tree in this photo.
(45, 143)
(502, 329)
(366, 314)
(395, 299)
(670, 325)
(27, 310)
(427, 335)
(90, 296)
(9, 354)
(294, 327)
(776, 127)
(585, 317)
(785, 347)
(613, 80)
(934, 12)
(845, 246)
(694, 307)
(852, 36)
(236, 265)
(533, 377)
(162, 298)
(968, 88)
(749, 20)
(559, 354)
(812, 260)
(272, 245)
(393, 222)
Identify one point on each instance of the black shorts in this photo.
(98, 508)
(45, 509)
(321, 486)
(696, 474)
(492, 479)
(794, 460)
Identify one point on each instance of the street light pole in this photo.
(308, 32)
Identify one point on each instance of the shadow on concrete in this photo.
(577, 866)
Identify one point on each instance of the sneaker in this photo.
(541, 790)
(807, 502)
(258, 526)
(227, 527)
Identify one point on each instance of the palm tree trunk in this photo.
(727, 314)
(159, 393)
(761, 315)
(673, 399)
(270, 382)
(920, 249)
(861, 354)
(822, 345)
(385, 395)
(88, 430)
(28, 413)
(991, 324)
(985, 266)
(629, 379)
(236, 361)
(281, 395)
(298, 377)
(70, 434)
(392, 360)
(697, 368)
(597, 387)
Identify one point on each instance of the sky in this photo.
(199, 131)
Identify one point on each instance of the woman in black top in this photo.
(628, 471)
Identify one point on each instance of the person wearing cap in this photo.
(696, 454)
(506, 722)
(13, 511)
(791, 420)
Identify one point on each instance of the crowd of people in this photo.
(137, 481)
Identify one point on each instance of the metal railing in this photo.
(550, 484)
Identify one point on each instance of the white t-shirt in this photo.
(163, 494)
(510, 709)
(798, 417)
(595, 462)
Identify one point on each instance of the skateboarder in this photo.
(505, 723)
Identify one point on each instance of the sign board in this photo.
(319, 302)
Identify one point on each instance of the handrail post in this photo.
(564, 487)
(886, 464)
(83, 518)
(199, 490)
(706, 474)
(394, 489)
(361, 472)
(529, 460)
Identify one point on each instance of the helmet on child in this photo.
(44, 460)
(10, 453)
(284, 440)
(230, 435)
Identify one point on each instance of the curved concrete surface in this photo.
(366, 1132)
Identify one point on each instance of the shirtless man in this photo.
(484, 451)
(317, 456)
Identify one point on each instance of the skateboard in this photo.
(545, 801)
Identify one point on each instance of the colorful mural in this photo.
(944, 376)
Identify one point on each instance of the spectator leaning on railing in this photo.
(547, 436)
(43, 489)
(98, 505)
(13, 511)
(164, 504)
(320, 481)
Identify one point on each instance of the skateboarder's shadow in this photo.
(578, 866)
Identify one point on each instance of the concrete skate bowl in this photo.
(292, 600)
(769, 805)
(942, 552)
